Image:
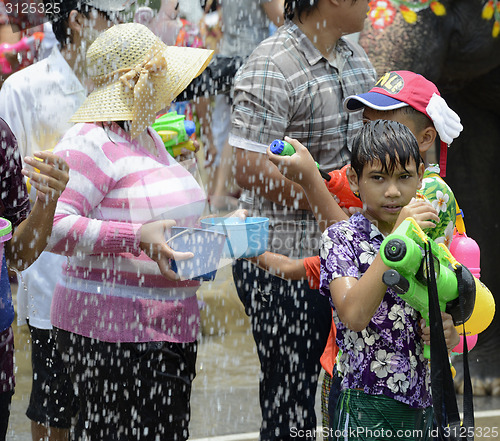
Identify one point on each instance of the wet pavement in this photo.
(225, 397)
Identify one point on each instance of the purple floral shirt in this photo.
(387, 356)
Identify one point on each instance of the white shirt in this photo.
(37, 103)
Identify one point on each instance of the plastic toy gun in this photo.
(402, 251)
(336, 181)
(175, 132)
(25, 44)
(339, 186)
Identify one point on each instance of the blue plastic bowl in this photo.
(245, 238)
(206, 246)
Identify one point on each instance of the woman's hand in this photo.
(154, 244)
(49, 176)
(300, 167)
(450, 333)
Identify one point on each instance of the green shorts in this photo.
(363, 417)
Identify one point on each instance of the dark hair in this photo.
(389, 142)
(298, 7)
(60, 23)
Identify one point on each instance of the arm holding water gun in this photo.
(301, 168)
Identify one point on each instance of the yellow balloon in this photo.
(484, 310)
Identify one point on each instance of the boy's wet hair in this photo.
(389, 142)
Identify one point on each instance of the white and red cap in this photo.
(404, 88)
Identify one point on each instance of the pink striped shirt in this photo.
(109, 289)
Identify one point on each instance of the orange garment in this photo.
(327, 360)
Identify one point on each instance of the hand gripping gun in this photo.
(402, 251)
(175, 132)
(336, 181)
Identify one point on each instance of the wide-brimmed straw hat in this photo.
(136, 75)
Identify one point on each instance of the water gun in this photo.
(336, 181)
(175, 132)
(25, 44)
(467, 252)
(402, 251)
(339, 186)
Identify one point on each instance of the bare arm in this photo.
(281, 266)
(302, 169)
(255, 171)
(275, 11)
(31, 236)
(356, 301)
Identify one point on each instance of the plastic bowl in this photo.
(206, 246)
(245, 238)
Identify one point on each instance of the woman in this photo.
(126, 324)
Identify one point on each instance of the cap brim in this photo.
(373, 100)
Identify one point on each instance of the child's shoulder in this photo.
(432, 183)
(357, 226)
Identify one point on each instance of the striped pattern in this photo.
(110, 290)
(287, 87)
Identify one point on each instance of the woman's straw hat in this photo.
(136, 75)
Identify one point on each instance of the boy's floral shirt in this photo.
(387, 356)
(439, 194)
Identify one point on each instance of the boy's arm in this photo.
(255, 172)
(31, 236)
(280, 265)
(356, 301)
(301, 168)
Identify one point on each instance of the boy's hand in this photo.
(450, 333)
(422, 211)
(49, 176)
(299, 167)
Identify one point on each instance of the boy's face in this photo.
(385, 193)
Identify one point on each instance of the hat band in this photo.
(139, 79)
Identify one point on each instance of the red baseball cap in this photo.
(402, 88)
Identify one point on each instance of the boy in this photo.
(414, 101)
(401, 96)
(385, 377)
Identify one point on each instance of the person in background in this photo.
(37, 103)
(31, 232)
(245, 23)
(126, 325)
(294, 83)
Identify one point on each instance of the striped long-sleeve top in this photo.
(110, 290)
